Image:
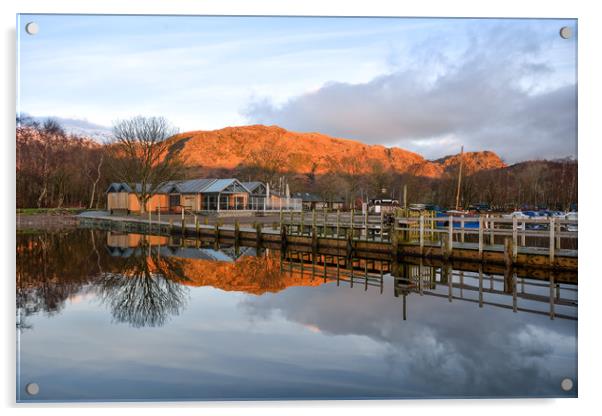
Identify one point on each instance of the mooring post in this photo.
(216, 231)
(421, 233)
(551, 228)
(281, 218)
(514, 238)
(313, 220)
(338, 222)
(197, 226)
(523, 234)
(382, 223)
(508, 250)
(349, 245)
(352, 223)
(324, 222)
(236, 232)
(302, 223)
(491, 231)
(159, 216)
(480, 235)
(283, 241)
(557, 232)
(450, 237)
(462, 228)
(258, 235)
(366, 223)
(314, 242)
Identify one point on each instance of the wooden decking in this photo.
(497, 241)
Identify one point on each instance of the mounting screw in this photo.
(32, 389)
(32, 28)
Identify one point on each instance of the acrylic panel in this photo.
(271, 208)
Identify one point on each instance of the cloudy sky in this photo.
(427, 85)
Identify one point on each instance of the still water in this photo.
(105, 316)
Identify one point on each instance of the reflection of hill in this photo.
(225, 269)
(255, 275)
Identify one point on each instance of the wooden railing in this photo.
(485, 232)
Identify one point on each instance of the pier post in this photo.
(159, 216)
(283, 242)
(382, 224)
(314, 242)
(450, 232)
(421, 233)
(216, 232)
(352, 220)
(170, 227)
(557, 232)
(366, 224)
(514, 238)
(313, 220)
(338, 222)
(523, 237)
(508, 252)
(281, 218)
(480, 236)
(462, 228)
(236, 232)
(300, 230)
(196, 225)
(258, 236)
(349, 245)
(491, 231)
(551, 232)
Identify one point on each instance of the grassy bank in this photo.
(50, 211)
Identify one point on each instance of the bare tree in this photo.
(142, 154)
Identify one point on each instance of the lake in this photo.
(104, 316)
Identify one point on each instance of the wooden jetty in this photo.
(542, 243)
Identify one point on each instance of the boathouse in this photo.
(197, 195)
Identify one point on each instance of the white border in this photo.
(589, 190)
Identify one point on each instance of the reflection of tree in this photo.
(146, 290)
(51, 267)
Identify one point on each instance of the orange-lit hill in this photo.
(233, 147)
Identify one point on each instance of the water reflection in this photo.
(146, 289)
(235, 322)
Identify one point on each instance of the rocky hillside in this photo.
(235, 147)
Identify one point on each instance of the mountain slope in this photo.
(235, 147)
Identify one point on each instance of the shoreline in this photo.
(45, 221)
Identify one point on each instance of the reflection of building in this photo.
(200, 195)
(125, 245)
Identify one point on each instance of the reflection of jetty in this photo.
(509, 291)
(545, 292)
(529, 242)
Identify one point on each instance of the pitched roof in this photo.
(191, 186)
(251, 186)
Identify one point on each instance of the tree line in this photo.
(56, 169)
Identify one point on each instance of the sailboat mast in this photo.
(459, 179)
